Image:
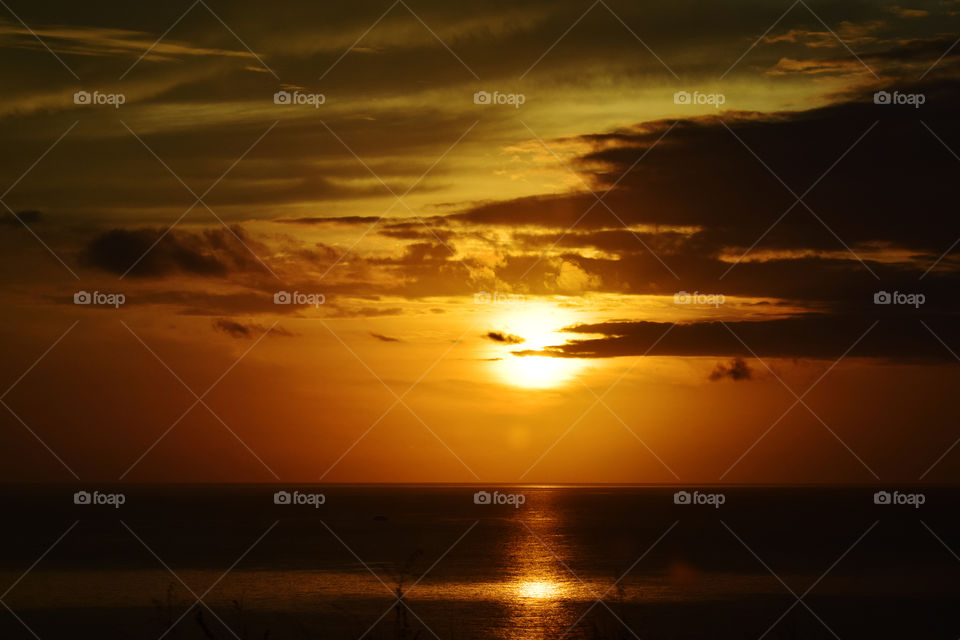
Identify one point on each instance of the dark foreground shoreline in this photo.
(724, 562)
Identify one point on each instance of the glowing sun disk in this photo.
(538, 325)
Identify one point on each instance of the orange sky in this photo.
(593, 280)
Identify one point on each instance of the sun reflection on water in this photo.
(538, 590)
(542, 593)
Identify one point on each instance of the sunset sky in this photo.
(601, 284)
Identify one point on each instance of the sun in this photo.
(539, 325)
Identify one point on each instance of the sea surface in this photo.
(221, 562)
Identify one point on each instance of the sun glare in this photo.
(539, 325)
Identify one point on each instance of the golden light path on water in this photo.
(542, 590)
(538, 590)
(536, 581)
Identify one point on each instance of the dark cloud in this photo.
(892, 170)
(29, 217)
(736, 369)
(560, 211)
(341, 220)
(890, 192)
(153, 253)
(700, 199)
(383, 338)
(418, 253)
(701, 177)
(828, 337)
(499, 40)
(236, 329)
(338, 311)
(506, 338)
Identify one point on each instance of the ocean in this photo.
(465, 562)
